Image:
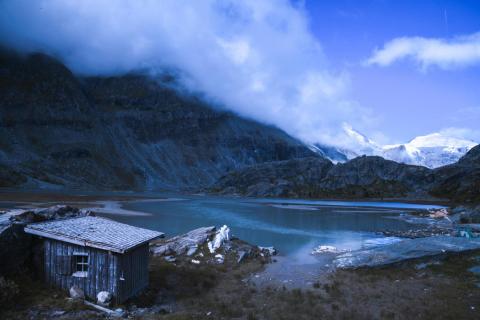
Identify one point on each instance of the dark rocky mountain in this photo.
(362, 177)
(292, 178)
(126, 132)
(375, 177)
(460, 181)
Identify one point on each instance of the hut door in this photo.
(122, 275)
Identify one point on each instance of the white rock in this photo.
(104, 298)
(195, 261)
(219, 258)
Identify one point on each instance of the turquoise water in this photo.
(291, 226)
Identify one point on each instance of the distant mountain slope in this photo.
(126, 132)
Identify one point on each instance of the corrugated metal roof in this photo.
(94, 232)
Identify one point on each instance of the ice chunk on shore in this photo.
(327, 249)
(222, 235)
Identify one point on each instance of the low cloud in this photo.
(256, 58)
(446, 54)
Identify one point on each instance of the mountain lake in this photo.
(293, 227)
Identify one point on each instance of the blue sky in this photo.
(409, 101)
(390, 69)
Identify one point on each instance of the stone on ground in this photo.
(76, 293)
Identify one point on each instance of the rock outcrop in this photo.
(208, 245)
(183, 244)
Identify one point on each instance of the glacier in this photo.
(432, 151)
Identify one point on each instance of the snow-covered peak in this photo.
(431, 150)
(360, 143)
(360, 138)
(439, 140)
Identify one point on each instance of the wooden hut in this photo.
(95, 254)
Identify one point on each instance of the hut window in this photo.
(80, 264)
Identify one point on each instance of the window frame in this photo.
(81, 263)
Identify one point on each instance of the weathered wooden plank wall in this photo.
(105, 269)
(59, 268)
(134, 268)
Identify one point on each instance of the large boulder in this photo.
(104, 298)
(184, 244)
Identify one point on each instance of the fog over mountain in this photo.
(256, 58)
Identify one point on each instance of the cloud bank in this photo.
(256, 58)
(446, 54)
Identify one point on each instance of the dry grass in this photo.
(445, 291)
(209, 291)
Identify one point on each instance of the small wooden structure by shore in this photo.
(95, 254)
